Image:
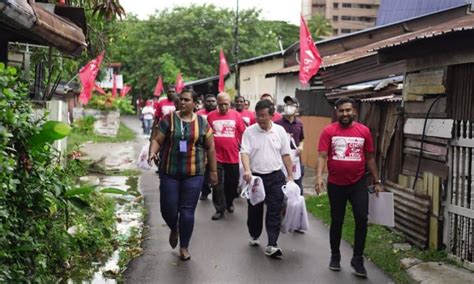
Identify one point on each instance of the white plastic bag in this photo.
(296, 217)
(295, 162)
(254, 191)
(142, 160)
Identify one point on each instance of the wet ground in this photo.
(220, 251)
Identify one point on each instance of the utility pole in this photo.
(236, 50)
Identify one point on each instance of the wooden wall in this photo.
(313, 126)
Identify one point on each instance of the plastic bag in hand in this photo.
(296, 217)
(142, 161)
(254, 191)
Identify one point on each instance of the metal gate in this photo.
(459, 211)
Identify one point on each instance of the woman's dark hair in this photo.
(196, 97)
(345, 101)
(209, 96)
(265, 104)
(239, 97)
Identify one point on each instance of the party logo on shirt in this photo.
(224, 128)
(347, 148)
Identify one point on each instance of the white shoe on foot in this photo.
(273, 251)
(254, 242)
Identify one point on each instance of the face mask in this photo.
(289, 110)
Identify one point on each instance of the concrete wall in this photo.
(286, 86)
(253, 82)
(313, 126)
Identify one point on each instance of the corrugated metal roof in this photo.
(391, 99)
(461, 24)
(396, 10)
(201, 81)
(261, 57)
(283, 71)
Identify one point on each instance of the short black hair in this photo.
(263, 104)
(239, 97)
(345, 101)
(209, 96)
(196, 97)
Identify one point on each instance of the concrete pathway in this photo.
(220, 251)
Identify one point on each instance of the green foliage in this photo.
(76, 137)
(85, 125)
(319, 26)
(188, 39)
(124, 105)
(50, 132)
(107, 102)
(34, 211)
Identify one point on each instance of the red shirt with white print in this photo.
(227, 129)
(163, 108)
(248, 117)
(203, 112)
(346, 148)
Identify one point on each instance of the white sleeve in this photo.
(285, 142)
(245, 147)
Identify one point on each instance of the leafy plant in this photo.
(85, 125)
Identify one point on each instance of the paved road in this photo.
(220, 251)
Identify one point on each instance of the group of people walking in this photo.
(209, 150)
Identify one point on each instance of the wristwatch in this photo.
(379, 181)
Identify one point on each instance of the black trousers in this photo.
(274, 200)
(225, 192)
(206, 189)
(358, 195)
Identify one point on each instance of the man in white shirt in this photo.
(264, 145)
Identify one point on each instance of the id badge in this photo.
(183, 146)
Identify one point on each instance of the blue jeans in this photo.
(178, 200)
(147, 125)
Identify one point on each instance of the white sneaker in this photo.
(254, 242)
(273, 251)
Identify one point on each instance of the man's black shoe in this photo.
(203, 197)
(230, 209)
(357, 263)
(217, 216)
(335, 264)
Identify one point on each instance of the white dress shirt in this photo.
(265, 148)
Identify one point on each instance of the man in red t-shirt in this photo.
(227, 126)
(247, 116)
(348, 147)
(165, 106)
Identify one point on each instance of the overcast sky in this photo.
(285, 10)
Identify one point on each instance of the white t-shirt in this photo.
(265, 148)
(148, 112)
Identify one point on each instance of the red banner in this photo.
(179, 83)
(99, 89)
(158, 88)
(114, 87)
(310, 60)
(223, 70)
(87, 76)
(124, 91)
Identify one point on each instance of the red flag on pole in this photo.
(99, 89)
(125, 90)
(114, 87)
(310, 60)
(179, 83)
(223, 70)
(158, 88)
(87, 76)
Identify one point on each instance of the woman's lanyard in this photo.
(183, 145)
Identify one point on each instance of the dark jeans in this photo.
(358, 196)
(147, 126)
(274, 201)
(178, 199)
(206, 189)
(225, 192)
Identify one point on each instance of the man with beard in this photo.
(227, 126)
(247, 116)
(210, 104)
(347, 146)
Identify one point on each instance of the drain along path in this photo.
(221, 254)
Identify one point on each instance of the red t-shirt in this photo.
(163, 108)
(228, 130)
(346, 148)
(248, 117)
(203, 112)
(276, 116)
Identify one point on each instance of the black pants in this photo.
(358, 196)
(274, 201)
(206, 189)
(225, 192)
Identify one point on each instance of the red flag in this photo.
(223, 70)
(87, 76)
(310, 60)
(125, 90)
(99, 89)
(62, 2)
(158, 88)
(114, 87)
(179, 83)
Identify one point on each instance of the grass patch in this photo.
(379, 244)
(77, 138)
